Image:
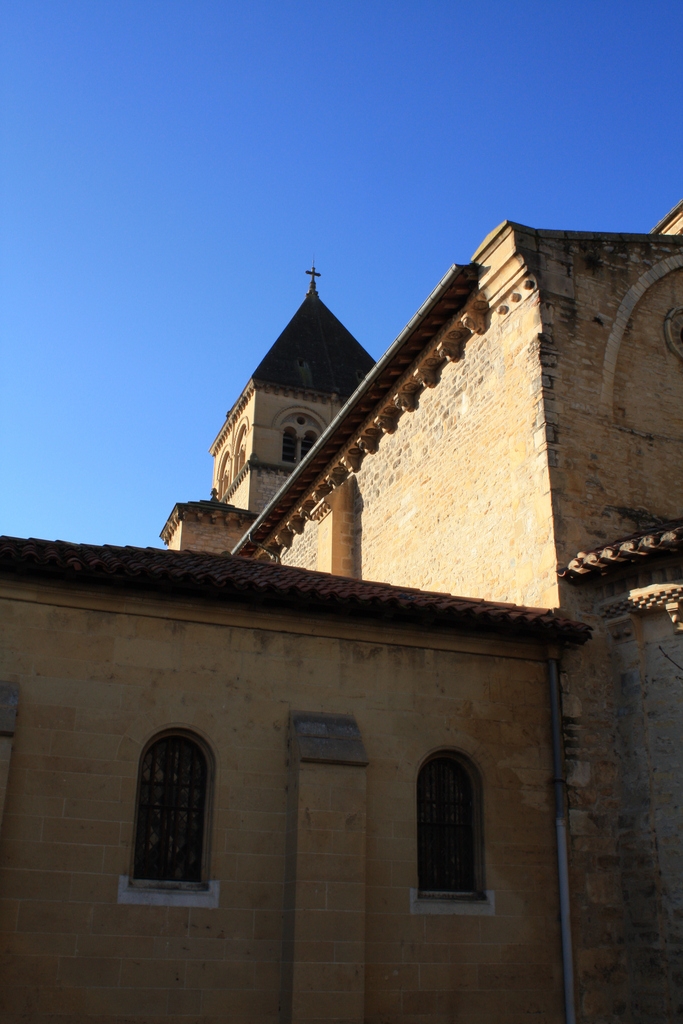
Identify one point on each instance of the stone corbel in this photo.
(406, 399)
(306, 508)
(474, 316)
(369, 440)
(284, 537)
(296, 524)
(427, 373)
(353, 459)
(452, 346)
(387, 420)
(320, 490)
(337, 476)
(675, 611)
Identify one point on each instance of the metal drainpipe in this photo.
(562, 857)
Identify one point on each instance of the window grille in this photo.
(445, 827)
(171, 805)
(288, 447)
(307, 443)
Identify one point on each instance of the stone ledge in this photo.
(176, 894)
(453, 904)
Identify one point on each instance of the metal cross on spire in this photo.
(314, 273)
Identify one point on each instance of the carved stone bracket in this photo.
(306, 508)
(353, 458)
(427, 372)
(452, 345)
(473, 317)
(406, 398)
(296, 524)
(337, 476)
(321, 489)
(284, 538)
(387, 420)
(675, 611)
(369, 440)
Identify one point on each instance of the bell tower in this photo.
(291, 398)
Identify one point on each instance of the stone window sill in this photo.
(168, 894)
(456, 903)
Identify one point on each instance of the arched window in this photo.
(446, 828)
(169, 837)
(307, 442)
(289, 446)
(240, 456)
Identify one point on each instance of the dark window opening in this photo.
(288, 446)
(445, 827)
(171, 804)
(307, 443)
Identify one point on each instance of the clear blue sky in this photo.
(169, 168)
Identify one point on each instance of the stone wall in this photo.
(304, 549)
(457, 498)
(100, 673)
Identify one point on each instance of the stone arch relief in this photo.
(626, 307)
(288, 417)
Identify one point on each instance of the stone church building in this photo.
(390, 733)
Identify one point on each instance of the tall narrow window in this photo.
(171, 807)
(307, 442)
(445, 827)
(289, 446)
(240, 455)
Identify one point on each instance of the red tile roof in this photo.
(231, 577)
(662, 540)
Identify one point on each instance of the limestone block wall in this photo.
(457, 499)
(101, 673)
(304, 549)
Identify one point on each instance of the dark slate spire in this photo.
(315, 351)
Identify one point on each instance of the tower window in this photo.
(169, 836)
(289, 446)
(240, 456)
(446, 848)
(307, 442)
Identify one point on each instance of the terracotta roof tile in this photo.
(665, 539)
(231, 577)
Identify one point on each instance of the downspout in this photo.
(562, 856)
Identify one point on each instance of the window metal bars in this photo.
(288, 447)
(445, 828)
(307, 443)
(172, 799)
